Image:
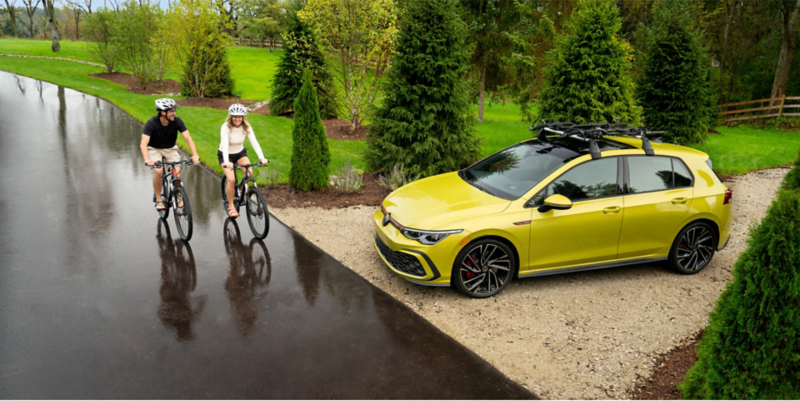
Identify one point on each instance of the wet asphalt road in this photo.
(99, 299)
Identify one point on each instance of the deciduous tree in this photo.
(98, 29)
(11, 10)
(359, 37)
(30, 9)
(790, 18)
(49, 10)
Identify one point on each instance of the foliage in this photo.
(792, 179)
(195, 28)
(396, 178)
(674, 92)
(271, 176)
(310, 154)
(98, 29)
(588, 74)
(263, 19)
(302, 53)
(131, 34)
(424, 122)
(349, 179)
(751, 348)
(359, 36)
(534, 36)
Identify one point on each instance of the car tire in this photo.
(483, 268)
(693, 248)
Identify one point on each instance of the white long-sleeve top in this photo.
(232, 141)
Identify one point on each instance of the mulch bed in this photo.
(371, 194)
(663, 381)
(168, 86)
(220, 103)
(340, 129)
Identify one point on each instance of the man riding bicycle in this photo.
(158, 140)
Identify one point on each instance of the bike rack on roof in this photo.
(594, 131)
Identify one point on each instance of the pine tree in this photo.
(310, 154)
(751, 349)
(675, 91)
(301, 51)
(588, 75)
(424, 123)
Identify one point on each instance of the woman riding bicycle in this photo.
(231, 149)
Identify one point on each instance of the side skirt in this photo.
(582, 268)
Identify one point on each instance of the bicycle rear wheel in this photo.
(165, 200)
(183, 213)
(257, 215)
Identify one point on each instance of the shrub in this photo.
(588, 74)
(349, 179)
(675, 91)
(98, 29)
(310, 154)
(270, 176)
(395, 179)
(792, 179)
(301, 51)
(425, 122)
(132, 35)
(751, 349)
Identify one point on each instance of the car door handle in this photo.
(612, 209)
(679, 201)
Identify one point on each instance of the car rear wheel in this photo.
(693, 248)
(483, 268)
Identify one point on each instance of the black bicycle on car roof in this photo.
(173, 195)
(246, 193)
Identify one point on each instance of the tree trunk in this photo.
(483, 92)
(51, 19)
(788, 42)
(13, 18)
(729, 8)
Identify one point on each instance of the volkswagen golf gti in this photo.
(557, 204)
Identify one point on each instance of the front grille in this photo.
(401, 261)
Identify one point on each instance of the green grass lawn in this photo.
(736, 151)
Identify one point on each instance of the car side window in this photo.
(590, 180)
(682, 176)
(649, 173)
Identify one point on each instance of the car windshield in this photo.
(512, 172)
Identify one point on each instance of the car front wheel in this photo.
(483, 268)
(693, 248)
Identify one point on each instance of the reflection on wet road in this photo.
(100, 299)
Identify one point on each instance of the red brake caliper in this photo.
(468, 273)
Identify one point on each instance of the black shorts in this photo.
(232, 157)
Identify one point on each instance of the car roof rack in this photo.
(593, 131)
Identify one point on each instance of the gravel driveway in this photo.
(574, 336)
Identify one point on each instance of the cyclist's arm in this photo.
(253, 141)
(143, 147)
(224, 135)
(190, 142)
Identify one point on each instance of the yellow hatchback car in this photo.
(556, 204)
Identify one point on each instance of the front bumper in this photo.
(417, 263)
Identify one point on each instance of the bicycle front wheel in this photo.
(183, 213)
(257, 215)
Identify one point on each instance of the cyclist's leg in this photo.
(230, 176)
(155, 155)
(245, 160)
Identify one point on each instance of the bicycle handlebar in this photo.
(259, 164)
(187, 162)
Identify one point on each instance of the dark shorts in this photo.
(232, 157)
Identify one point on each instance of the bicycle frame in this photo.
(246, 178)
(168, 178)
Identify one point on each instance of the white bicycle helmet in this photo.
(237, 109)
(165, 104)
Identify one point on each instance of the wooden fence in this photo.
(774, 107)
(275, 44)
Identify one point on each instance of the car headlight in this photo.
(427, 237)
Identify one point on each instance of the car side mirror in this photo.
(557, 202)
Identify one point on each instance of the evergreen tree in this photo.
(675, 91)
(751, 349)
(424, 123)
(588, 75)
(301, 52)
(310, 154)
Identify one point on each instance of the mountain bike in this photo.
(251, 197)
(173, 195)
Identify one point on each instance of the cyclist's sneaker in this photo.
(160, 206)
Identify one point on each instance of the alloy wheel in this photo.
(485, 269)
(695, 248)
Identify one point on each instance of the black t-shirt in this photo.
(162, 137)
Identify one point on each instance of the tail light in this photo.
(728, 197)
